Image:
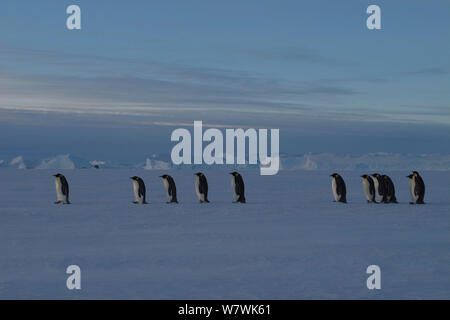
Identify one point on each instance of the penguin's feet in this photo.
(57, 202)
(135, 202)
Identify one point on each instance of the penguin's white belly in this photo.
(366, 187)
(136, 193)
(414, 196)
(200, 196)
(375, 182)
(60, 196)
(337, 197)
(166, 187)
(233, 188)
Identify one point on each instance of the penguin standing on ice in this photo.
(62, 189)
(380, 190)
(390, 189)
(237, 187)
(417, 188)
(201, 187)
(171, 189)
(338, 187)
(369, 188)
(139, 190)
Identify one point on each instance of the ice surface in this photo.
(290, 241)
(308, 161)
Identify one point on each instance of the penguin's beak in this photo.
(161, 176)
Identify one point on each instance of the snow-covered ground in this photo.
(290, 241)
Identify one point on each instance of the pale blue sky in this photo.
(310, 68)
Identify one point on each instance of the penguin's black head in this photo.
(334, 175)
(364, 176)
(164, 176)
(415, 173)
(58, 175)
(234, 173)
(198, 174)
(410, 176)
(134, 178)
(376, 175)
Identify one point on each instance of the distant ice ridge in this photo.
(17, 163)
(58, 162)
(156, 165)
(97, 163)
(320, 161)
(370, 161)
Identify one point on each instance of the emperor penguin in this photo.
(369, 188)
(390, 189)
(338, 187)
(380, 190)
(171, 189)
(139, 190)
(237, 187)
(62, 189)
(417, 188)
(201, 187)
